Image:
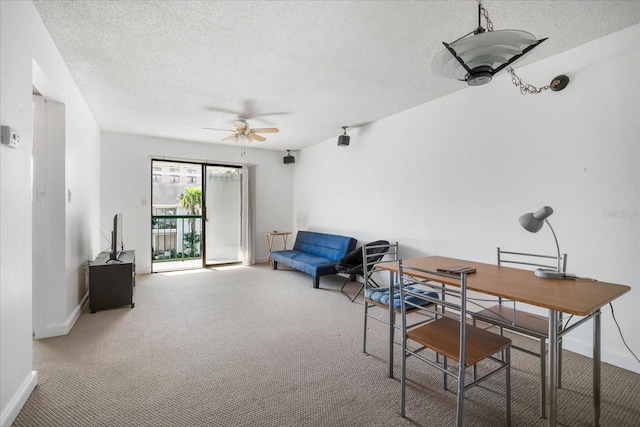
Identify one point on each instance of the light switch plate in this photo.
(10, 137)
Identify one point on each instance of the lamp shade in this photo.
(478, 57)
(534, 221)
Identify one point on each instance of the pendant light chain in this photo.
(525, 88)
(485, 14)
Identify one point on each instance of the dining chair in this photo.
(449, 336)
(506, 315)
(382, 304)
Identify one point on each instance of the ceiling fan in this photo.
(242, 131)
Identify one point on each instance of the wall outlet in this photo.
(10, 136)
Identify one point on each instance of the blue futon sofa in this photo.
(314, 253)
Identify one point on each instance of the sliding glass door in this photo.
(196, 216)
(222, 214)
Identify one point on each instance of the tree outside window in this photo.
(191, 200)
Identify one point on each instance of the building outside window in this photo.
(174, 170)
(174, 179)
(165, 211)
(157, 178)
(191, 179)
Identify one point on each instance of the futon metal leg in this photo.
(316, 282)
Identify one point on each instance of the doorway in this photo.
(196, 218)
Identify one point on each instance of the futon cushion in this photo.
(330, 246)
(381, 295)
(310, 264)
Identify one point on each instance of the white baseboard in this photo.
(624, 361)
(63, 328)
(18, 400)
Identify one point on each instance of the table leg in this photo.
(596, 368)
(391, 324)
(269, 246)
(552, 401)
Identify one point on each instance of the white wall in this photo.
(30, 58)
(126, 186)
(451, 177)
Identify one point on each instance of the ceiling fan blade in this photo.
(266, 130)
(232, 136)
(225, 130)
(257, 137)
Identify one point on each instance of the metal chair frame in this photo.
(387, 309)
(450, 336)
(538, 326)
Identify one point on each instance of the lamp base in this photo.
(549, 274)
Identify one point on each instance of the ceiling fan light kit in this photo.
(343, 140)
(479, 55)
(243, 133)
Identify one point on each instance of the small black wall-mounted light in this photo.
(288, 158)
(343, 140)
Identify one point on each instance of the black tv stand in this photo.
(112, 284)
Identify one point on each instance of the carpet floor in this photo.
(250, 346)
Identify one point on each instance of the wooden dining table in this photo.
(582, 298)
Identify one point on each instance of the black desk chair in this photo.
(353, 265)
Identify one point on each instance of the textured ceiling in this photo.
(169, 68)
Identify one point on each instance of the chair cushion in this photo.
(381, 295)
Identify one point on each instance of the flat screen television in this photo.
(117, 244)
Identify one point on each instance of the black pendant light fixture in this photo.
(477, 56)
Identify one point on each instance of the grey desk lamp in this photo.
(533, 222)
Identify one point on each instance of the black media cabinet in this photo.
(112, 282)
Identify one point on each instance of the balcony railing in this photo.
(176, 237)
